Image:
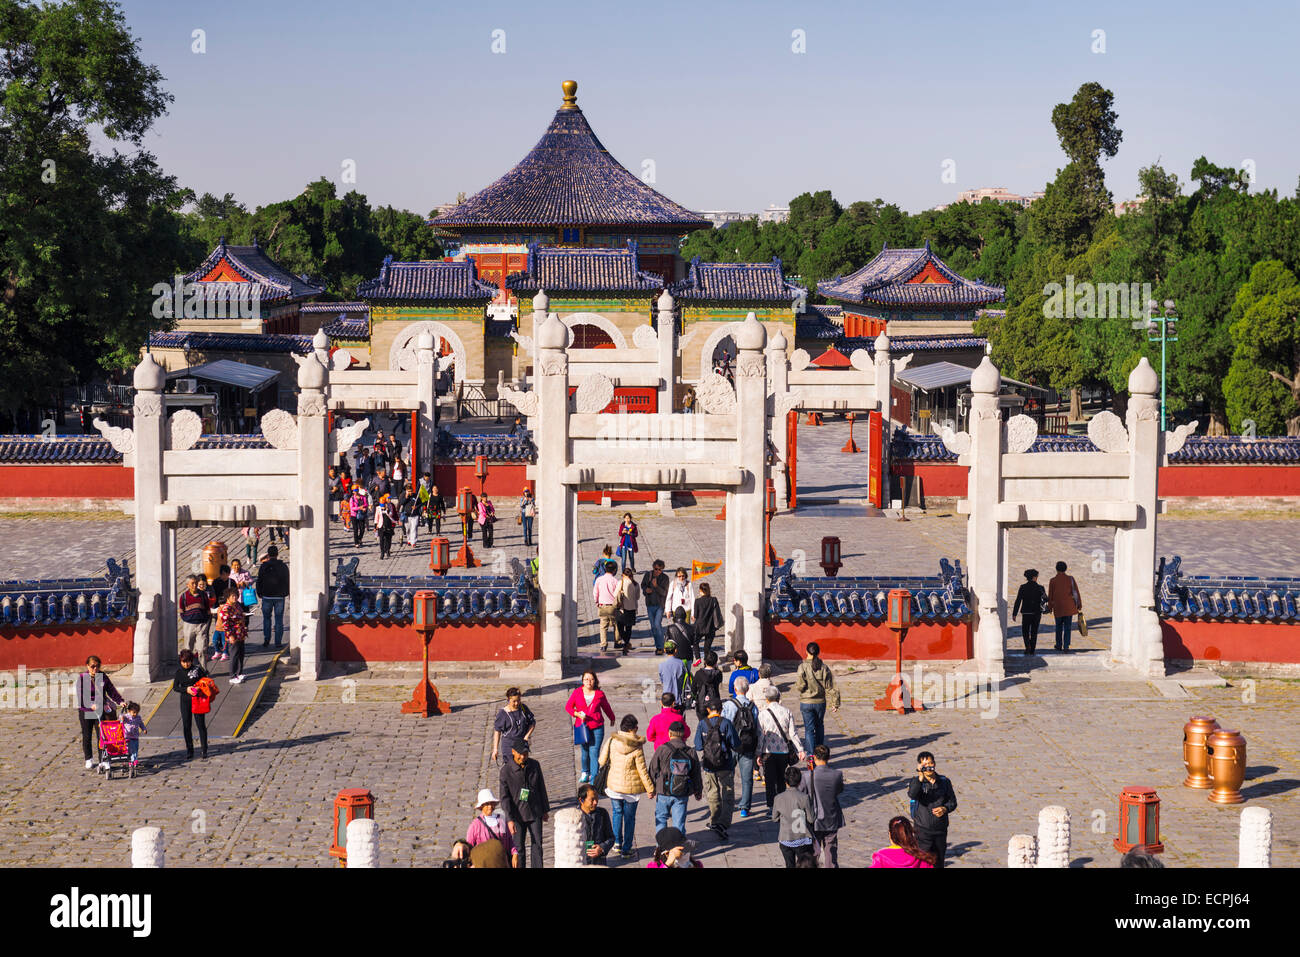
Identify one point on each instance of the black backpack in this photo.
(686, 689)
(708, 694)
(677, 782)
(746, 725)
(716, 756)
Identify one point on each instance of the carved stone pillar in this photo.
(666, 343)
(556, 503)
(155, 630)
(778, 382)
(1136, 634)
(309, 540)
(984, 542)
(745, 554)
(426, 365)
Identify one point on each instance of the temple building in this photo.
(570, 221)
(241, 289)
(908, 292)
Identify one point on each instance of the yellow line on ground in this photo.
(257, 695)
(158, 706)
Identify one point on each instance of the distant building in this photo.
(998, 194)
(1129, 205)
(724, 217)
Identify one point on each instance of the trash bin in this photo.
(214, 556)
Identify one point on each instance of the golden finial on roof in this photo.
(570, 88)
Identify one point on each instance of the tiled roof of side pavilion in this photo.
(885, 282)
(560, 269)
(569, 179)
(254, 266)
(745, 282)
(230, 341)
(428, 280)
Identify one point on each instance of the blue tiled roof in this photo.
(254, 441)
(446, 281)
(1224, 599)
(909, 446)
(1232, 450)
(822, 329)
(498, 448)
(884, 282)
(569, 179)
(230, 342)
(478, 598)
(937, 598)
(87, 449)
(68, 600)
(346, 308)
(743, 282)
(251, 262)
(351, 327)
(563, 269)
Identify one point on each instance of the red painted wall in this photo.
(1231, 641)
(938, 478)
(66, 646)
(858, 641)
(949, 478)
(505, 479)
(67, 481)
(1176, 480)
(508, 641)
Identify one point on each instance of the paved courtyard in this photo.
(1065, 731)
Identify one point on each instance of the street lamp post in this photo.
(1165, 336)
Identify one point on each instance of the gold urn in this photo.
(1195, 758)
(1227, 752)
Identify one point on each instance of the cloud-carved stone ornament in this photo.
(1107, 432)
(715, 395)
(280, 429)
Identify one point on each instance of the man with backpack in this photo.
(717, 744)
(675, 769)
(743, 716)
(707, 686)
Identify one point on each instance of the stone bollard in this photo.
(363, 842)
(1053, 837)
(568, 838)
(147, 847)
(1255, 845)
(1022, 851)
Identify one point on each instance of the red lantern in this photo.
(350, 805)
(426, 610)
(831, 556)
(1139, 820)
(464, 503)
(439, 556)
(897, 697)
(481, 471)
(900, 609)
(424, 700)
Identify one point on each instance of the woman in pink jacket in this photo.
(903, 850)
(488, 824)
(585, 706)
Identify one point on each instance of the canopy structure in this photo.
(943, 375)
(228, 372)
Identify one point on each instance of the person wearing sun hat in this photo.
(489, 824)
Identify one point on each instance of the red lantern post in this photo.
(351, 804)
(1139, 820)
(898, 697)
(425, 701)
(769, 496)
(850, 445)
(481, 472)
(465, 509)
(439, 556)
(831, 556)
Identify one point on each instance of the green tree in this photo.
(1263, 381)
(84, 234)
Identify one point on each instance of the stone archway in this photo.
(402, 353)
(600, 322)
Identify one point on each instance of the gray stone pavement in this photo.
(1073, 739)
(1069, 732)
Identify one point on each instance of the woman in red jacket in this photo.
(585, 706)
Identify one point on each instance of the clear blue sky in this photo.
(712, 93)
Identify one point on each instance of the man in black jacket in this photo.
(597, 831)
(1030, 599)
(272, 590)
(933, 800)
(654, 590)
(524, 801)
(675, 771)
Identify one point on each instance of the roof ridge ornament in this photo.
(570, 89)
